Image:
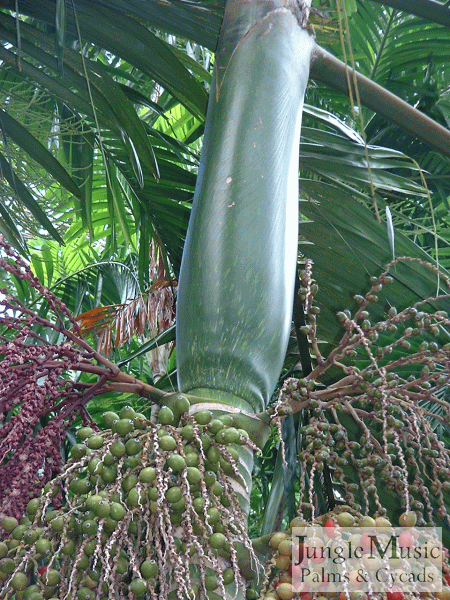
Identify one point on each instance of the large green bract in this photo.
(237, 280)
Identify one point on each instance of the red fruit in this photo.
(447, 578)
(395, 593)
(295, 571)
(365, 541)
(406, 539)
(43, 569)
(330, 528)
(305, 595)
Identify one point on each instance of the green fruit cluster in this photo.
(138, 498)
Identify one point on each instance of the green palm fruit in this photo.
(192, 459)
(3, 550)
(215, 426)
(176, 462)
(149, 569)
(102, 509)
(138, 586)
(109, 417)
(182, 404)
(80, 486)
(193, 475)
(108, 474)
(9, 523)
(203, 417)
(187, 432)
(19, 582)
(95, 441)
(211, 582)
(17, 533)
(133, 446)
(84, 432)
(127, 412)
(167, 443)
(89, 527)
(129, 482)
(7, 565)
(166, 416)
(147, 475)
(123, 426)
(173, 494)
(43, 546)
(51, 577)
(117, 448)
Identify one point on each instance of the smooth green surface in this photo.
(236, 283)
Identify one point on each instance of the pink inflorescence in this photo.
(38, 397)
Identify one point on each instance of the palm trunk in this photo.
(237, 276)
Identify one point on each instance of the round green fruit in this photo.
(213, 454)
(78, 451)
(9, 523)
(176, 462)
(127, 412)
(228, 576)
(92, 501)
(117, 448)
(3, 550)
(166, 416)
(109, 417)
(19, 582)
(7, 565)
(211, 582)
(203, 417)
(182, 404)
(192, 459)
(51, 577)
(17, 533)
(138, 586)
(109, 460)
(102, 509)
(85, 593)
(80, 486)
(210, 478)
(123, 426)
(135, 498)
(57, 524)
(187, 432)
(95, 442)
(217, 540)
(131, 462)
(108, 474)
(407, 519)
(33, 506)
(129, 482)
(193, 475)
(30, 536)
(231, 435)
(133, 446)
(89, 527)
(147, 475)
(173, 494)
(167, 443)
(84, 432)
(149, 569)
(93, 466)
(43, 546)
(69, 548)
